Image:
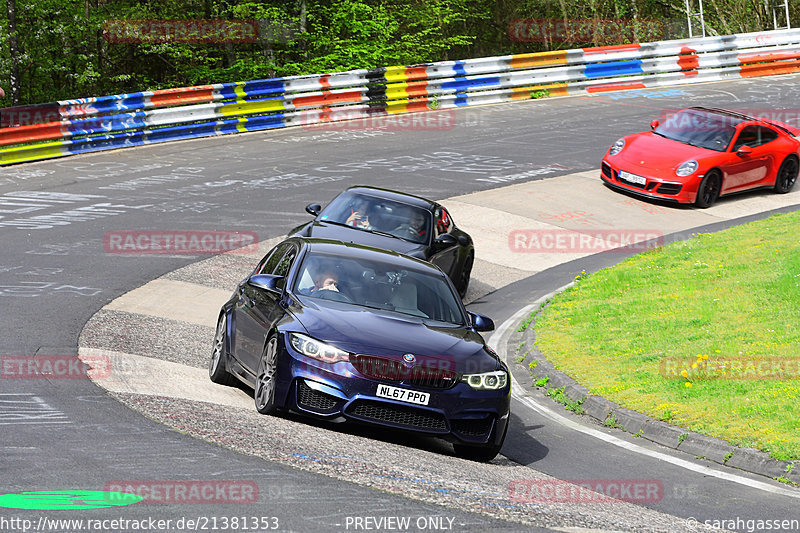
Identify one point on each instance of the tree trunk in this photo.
(13, 81)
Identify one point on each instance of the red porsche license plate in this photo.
(632, 178)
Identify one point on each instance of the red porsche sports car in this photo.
(699, 154)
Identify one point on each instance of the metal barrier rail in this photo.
(109, 122)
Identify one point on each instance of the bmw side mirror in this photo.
(268, 282)
(444, 240)
(654, 124)
(481, 323)
(313, 209)
(744, 151)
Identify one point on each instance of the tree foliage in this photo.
(63, 52)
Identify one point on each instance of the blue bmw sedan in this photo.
(342, 331)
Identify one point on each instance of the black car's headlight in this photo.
(316, 349)
(487, 380)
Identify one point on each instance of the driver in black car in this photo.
(415, 227)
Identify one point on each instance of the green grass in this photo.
(626, 333)
(561, 397)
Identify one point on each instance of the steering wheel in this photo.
(407, 229)
(326, 294)
(720, 141)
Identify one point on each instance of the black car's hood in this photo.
(324, 230)
(373, 332)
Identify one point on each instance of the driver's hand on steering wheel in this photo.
(329, 285)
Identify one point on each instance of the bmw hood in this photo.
(346, 234)
(383, 333)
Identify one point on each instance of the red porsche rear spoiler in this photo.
(791, 130)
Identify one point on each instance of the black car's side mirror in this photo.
(480, 322)
(313, 209)
(444, 240)
(654, 124)
(268, 282)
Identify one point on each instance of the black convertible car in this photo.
(395, 221)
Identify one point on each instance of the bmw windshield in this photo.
(379, 285)
(700, 128)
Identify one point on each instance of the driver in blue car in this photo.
(325, 280)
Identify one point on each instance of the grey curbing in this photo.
(708, 447)
(756, 461)
(598, 407)
(575, 392)
(793, 474)
(630, 421)
(663, 433)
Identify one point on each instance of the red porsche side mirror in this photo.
(654, 124)
(744, 151)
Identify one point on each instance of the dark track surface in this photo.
(52, 279)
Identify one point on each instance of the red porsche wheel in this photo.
(787, 175)
(708, 192)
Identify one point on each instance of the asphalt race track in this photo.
(56, 274)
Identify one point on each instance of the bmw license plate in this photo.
(632, 178)
(403, 395)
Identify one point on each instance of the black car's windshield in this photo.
(379, 285)
(378, 215)
(700, 128)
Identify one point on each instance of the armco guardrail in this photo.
(89, 124)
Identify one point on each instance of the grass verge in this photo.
(703, 334)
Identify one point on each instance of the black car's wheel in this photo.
(216, 367)
(708, 192)
(787, 175)
(264, 394)
(482, 454)
(463, 280)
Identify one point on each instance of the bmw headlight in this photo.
(487, 380)
(617, 148)
(316, 349)
(686, 168)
